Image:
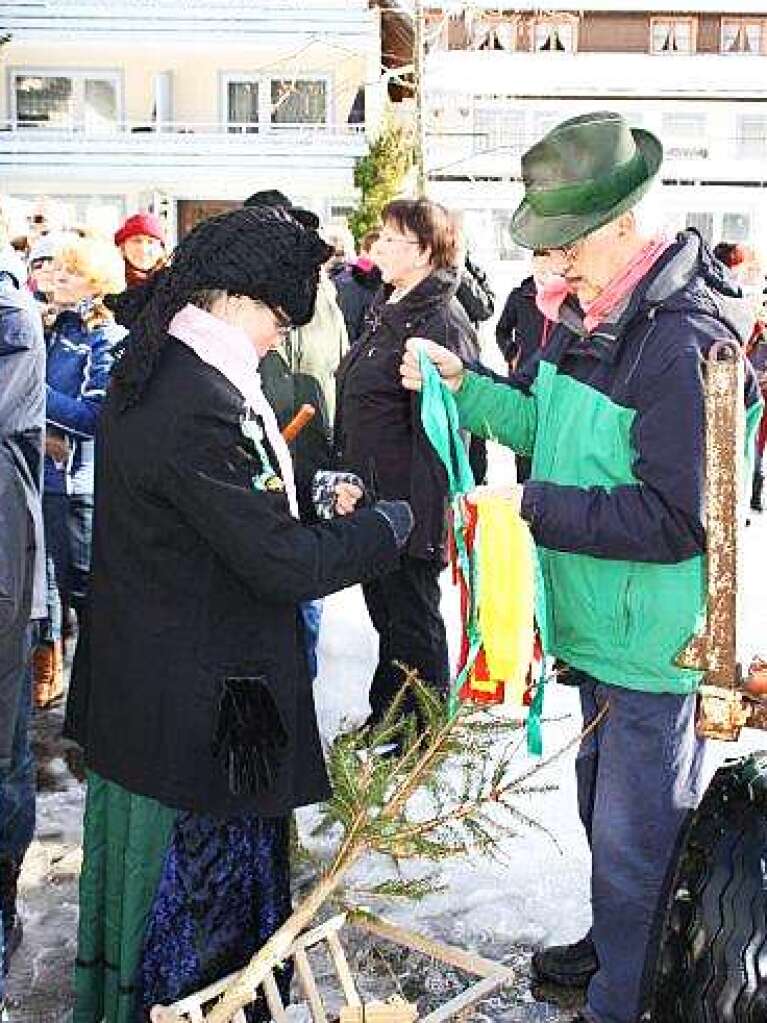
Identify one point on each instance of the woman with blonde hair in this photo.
(80, 356)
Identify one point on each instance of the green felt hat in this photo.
(581, 175)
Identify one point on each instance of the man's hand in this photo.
(511, 492)
(347, 497)
(449, 366)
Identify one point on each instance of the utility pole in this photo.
(418, 80)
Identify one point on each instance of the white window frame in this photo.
(78, 76)
(264, 82)
(553, 20)
(743, 146)
(744, 23)
(692, 22)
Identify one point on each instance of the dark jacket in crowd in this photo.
(356, 285)
(378, 432)
(79, 362)
(22, 415)
(475, 294)
(519, 330)
(196, 579)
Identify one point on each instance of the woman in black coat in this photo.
(191, 695)
(379, 436)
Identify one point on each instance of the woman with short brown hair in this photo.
(379, 435)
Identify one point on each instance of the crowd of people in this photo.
(197, 446)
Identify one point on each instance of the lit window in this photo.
(741, 36)
(554, 36)
(672, 35)
(78, 100)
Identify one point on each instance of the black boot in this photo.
(566, 965)
(757, 502)
(12, 927)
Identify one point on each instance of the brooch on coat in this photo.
(267, 480)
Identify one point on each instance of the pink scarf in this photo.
(552, 294)
(229, 350)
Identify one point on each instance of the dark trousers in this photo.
(404, 609)
(639, 775)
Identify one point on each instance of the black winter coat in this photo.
(356, 289)
(378, 432)
(519, 330)
(196, 578)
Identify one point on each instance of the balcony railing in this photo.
(182, 132)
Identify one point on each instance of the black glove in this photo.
(399, 515)
(250, 736)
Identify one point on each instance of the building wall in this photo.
(601, 33)
(196, 71)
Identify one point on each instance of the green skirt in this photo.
(124, 846)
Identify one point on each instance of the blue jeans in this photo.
(639, 775)
(17, 788)
(311, 613)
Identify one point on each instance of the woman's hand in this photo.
(347, 497)
(511, 492)
(449, 366)
(57, 448)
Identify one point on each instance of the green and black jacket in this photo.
(614, 423)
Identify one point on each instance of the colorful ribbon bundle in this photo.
(496, 568)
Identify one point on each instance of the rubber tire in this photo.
(712, 951)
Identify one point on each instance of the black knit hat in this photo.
(261, 252)
(276, 199)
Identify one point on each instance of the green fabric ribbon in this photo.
(439, 416)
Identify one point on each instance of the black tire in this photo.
(712, 958)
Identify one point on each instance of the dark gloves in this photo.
(399, 515)
(324, 491)
(250, 736)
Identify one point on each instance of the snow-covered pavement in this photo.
(538, 894)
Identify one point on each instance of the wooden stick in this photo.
(309, 984)
(470, 996)
(301, 419)
(343, 971)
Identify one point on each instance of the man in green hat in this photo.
(611, 412)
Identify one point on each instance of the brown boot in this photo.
(47, 674)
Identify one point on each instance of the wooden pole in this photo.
(420, 119)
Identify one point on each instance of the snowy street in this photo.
(538, 895)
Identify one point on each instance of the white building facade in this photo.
(186, 107)
(497, 82)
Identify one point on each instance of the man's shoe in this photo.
(566, 965)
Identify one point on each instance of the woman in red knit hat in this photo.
(141, 239)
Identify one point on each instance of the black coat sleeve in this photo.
(207, 478)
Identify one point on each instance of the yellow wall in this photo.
(195, 67)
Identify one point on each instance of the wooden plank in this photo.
(317, 934)
(343, 971)
(481, 989)
(462, 960)
(274, 999)
(309, 985)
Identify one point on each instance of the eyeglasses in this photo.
(38, 264)
(396, 239)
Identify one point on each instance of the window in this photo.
(752, 136)
(703, 224)
(497, 127)
(81, 100)
(672, 35)
(242, 106)
(493, 33)
(252, 103)
(684, 136)
(736, 227)
(739, 36)
(550, 36)
(299, 101)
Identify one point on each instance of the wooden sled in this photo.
(493, 975)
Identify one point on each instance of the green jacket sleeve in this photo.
(498, 410)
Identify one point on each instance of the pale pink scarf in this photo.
(229, 350)
(551, 295)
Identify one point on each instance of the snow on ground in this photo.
(538, 896)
